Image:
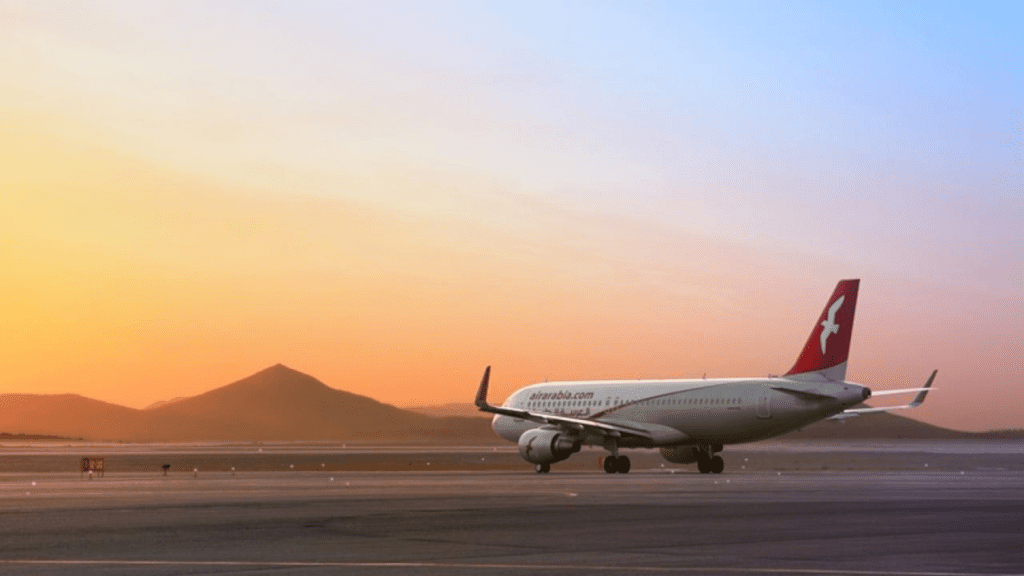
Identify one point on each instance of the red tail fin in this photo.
(824, 356)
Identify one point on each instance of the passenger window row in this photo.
(655, 402)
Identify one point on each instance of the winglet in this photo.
(481, 394)
(919, 399)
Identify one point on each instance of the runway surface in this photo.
(501, 522)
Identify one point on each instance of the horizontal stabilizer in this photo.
(903, 391)
(917, 401)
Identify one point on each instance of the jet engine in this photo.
(680, 454)
(545, 446)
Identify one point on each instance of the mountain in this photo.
(160, 403)
(67, 415)
(277, 403)
(282, 404)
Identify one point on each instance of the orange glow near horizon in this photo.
(124, 269)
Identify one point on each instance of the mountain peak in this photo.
(280, 376)
(279, 369)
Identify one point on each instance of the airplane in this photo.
(691, 420)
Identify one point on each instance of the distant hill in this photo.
(67, 415)
(277, 403)
(22, 437)
(882, 425)
(879, 425)
(165, 402)
(461, 409)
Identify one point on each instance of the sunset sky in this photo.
(390, 196)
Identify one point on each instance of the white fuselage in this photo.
(717, 411)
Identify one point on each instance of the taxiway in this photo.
(515, 522)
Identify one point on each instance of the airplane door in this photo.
(764, 407)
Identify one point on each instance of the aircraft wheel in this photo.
(611, 463)
(716, 465)
(622, 465)
(704, 465)
(543, 468)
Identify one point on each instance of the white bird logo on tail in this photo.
(828, 325)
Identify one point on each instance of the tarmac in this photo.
(915, 521)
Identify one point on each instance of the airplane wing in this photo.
(917, 401)
(616, 429)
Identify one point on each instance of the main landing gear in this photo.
(613, 464)
(543, 468)
(708, 462)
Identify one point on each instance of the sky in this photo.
(391, 196)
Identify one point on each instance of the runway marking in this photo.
(486, 566)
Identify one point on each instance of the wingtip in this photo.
(481, 393)
(919, 399)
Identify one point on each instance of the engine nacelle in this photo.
(542, 446)
(680, 454)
